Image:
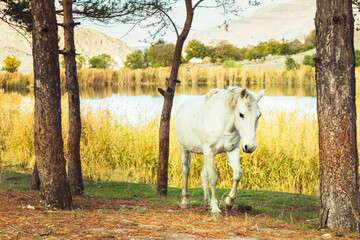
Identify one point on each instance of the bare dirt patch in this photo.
(23, 216)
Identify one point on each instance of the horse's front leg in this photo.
(234, 159)
(185, 159)
(213, 179)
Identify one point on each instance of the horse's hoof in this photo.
(185, 206)
(216, 214)
(207, 206)
(244, 208)
(228, 207)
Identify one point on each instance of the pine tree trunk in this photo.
(74, 162)
(49, 152)
(35, 180)
(335, 81)
(164, 131)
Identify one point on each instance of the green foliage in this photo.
(135, 60)
(310, 40)
(283, 49)
(231, 63)
(17, 13)
(357, 58)
(254, 53)
(11, 64)
(195, 49)
(309, 60)
(103, 61)
(160, 54)
(271, 47)
(225, 50)
(80, 62)
(296, 46)
(291, 64)
(62, 61)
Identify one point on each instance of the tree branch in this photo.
(197, 4)
(171, 21)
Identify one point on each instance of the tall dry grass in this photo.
(213, 75)
(286, 158)
(195, 75)
(16, 80)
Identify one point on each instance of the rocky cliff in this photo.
(88, 43)
(286, 21)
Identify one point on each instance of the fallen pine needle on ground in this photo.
(23, 216)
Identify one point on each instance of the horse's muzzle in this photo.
(249, 149)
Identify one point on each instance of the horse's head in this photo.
(244, 105)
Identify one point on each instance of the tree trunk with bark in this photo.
(49, 151)
(164, 131)
(335, 81)
(35, 180)
(72, 86)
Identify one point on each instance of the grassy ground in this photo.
(297, 209)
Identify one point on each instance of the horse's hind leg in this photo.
(234, 159)
(205, 184)
(185, 158)
(210, 167)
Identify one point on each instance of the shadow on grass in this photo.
(292, 208)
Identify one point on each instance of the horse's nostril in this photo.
(246, 148)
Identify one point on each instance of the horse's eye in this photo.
(241, 115)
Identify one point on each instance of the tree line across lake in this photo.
(160, 54)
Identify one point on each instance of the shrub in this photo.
(160, 54)
(80, 62)
(309, 60)
(357, 58)
(102, 61)
(11, 64)
(195, 49)
(135, 60)
(291, 64)
(231, 63)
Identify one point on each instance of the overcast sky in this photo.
(204, 18)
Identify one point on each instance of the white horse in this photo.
(214, 124)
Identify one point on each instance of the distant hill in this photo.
(88, 43)
(285, 21)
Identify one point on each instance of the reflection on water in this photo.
(137, 104)
(151, 90)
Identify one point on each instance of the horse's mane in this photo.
(233, 95)
(236, 93)
(211, 93)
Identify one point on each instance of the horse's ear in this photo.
(259, 95)
(243, 93)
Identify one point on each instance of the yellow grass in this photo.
(16, 80)
(286, 158)
(214, 75)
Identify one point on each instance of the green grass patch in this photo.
(298, 209)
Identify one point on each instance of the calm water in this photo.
(137, 104)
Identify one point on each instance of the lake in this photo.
(137, 104)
